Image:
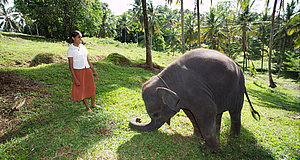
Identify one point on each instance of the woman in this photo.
(81, 68)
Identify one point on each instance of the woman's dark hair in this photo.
(75, 33)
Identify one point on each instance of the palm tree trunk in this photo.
(198, 21)
(148, 47)
(262, 57)
(37, 30)
(282, 55)
(244, 46)
(272, 84)
(182, 28)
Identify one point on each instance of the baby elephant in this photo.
(203, 83)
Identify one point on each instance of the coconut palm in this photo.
(148, 45)
(173, 38)
(182, 22)
(282, 35)
(9, 19)
(107, 26)
(154, 21)
(124, 22)
(272, 84)
(137, 17)
(198, 22)
(245, 19)
(213, 31)
(191, 37)
(3, 3)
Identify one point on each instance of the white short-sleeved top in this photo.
(79, 55)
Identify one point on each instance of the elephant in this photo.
(204, 83)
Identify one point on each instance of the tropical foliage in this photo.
(232, 28)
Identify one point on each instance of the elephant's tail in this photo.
(253, 112)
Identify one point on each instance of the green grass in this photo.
(56, 127)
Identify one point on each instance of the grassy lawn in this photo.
(51, 126)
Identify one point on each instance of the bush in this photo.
(118, 59)
(46, 58)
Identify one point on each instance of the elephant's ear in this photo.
(168, 97)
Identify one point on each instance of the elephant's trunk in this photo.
(151, 126)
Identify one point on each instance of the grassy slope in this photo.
(55, 126)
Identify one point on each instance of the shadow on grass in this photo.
(60, 128)
(274, 99)
(28, 37)
(159, 145)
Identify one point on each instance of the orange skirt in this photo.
(87, 85)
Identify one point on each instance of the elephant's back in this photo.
(219, 75)
(208, 62)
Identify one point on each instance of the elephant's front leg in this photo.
(194, 122)
(206, 119)
(218, 121)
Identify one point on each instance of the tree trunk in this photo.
(182, 28)
(282, 55)
(262, 57)
(37, 30)
(228, 35)
(198, 21)
(147, 37)
(244, 45)
(272, 84)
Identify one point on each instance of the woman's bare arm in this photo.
(77, 83)
(92, 68)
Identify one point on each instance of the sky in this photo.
(120, 6)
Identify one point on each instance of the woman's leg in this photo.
(86, 105)
(93, 101)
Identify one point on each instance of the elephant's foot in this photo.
(235, 131)
(211, 144)
(197, 132)
(213, 148)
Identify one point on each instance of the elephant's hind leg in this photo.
(235, 127)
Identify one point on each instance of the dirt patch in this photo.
(96, 58)
(12, 89)
(156, 68)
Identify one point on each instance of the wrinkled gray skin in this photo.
(203, 83)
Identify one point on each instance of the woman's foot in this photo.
(89, 110)
(96, 106)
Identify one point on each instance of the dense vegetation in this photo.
(232, 28)
(48, 125)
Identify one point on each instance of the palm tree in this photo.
(213, 33)
(190, 34)
(3, 2)
(173, 38)
(262, 36)
(107, 26)
(124, 23)
(182, 22)
(272, 84)
(198, 22)
(154, 21)
(138, 16)
(282, 35)
(9, 17)
(148, 45)
(245, 18)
